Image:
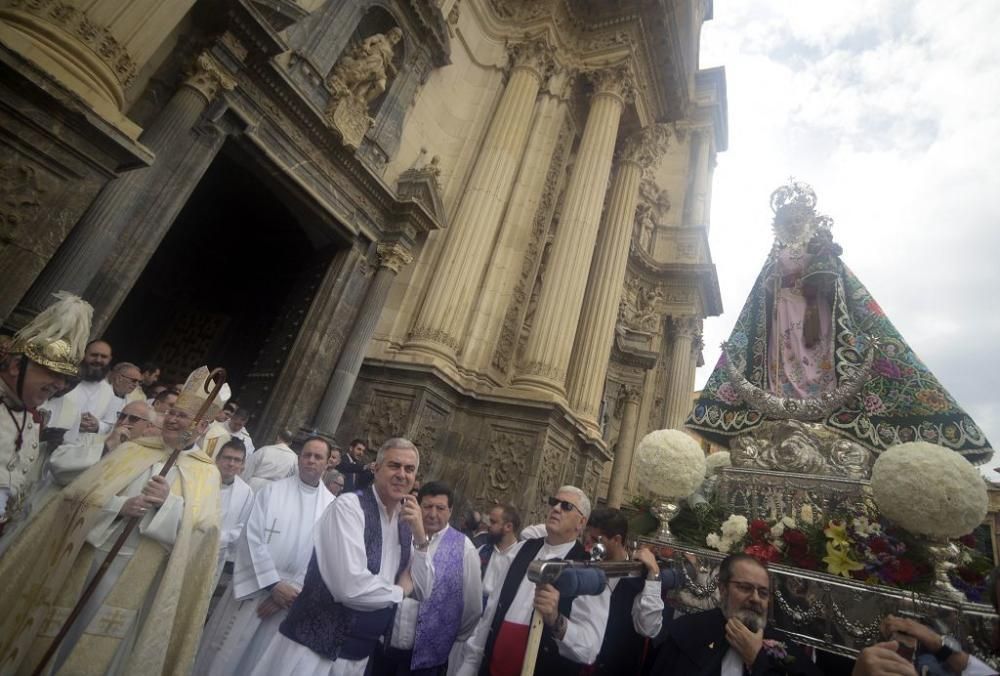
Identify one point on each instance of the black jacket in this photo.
(697, 645)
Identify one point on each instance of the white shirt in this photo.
(496, 569)
(237, 499)
(405, 622)
(89, 396)
(647, 609)
(732, 664)
(270, 463)
(584, 628)
(243, 436)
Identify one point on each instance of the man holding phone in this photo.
(370, 552)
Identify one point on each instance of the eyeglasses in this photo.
(746, 588)
(134, 381)
(131, 419)
(564, 505)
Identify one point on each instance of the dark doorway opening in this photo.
(228, 285)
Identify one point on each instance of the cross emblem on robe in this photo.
(113, 621)
(272, 531)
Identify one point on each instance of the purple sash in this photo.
(440, 616)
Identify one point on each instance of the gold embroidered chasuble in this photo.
(160, 597)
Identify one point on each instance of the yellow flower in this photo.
(839, 562)
(837, 533)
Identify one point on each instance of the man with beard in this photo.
(733, 639)
(147, 613)
(357, 473)
(574, 627)
(92, 396)
(496, 554)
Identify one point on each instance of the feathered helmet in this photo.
(57, 337)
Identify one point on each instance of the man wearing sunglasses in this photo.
(574, 628)
(733, 639)
(136, 420)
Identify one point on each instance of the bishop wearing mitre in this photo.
(147, 613)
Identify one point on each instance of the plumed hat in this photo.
(57, 337)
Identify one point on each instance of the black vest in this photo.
(550, 662)
(623, 647)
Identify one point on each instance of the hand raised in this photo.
(747, 643)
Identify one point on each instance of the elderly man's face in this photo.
(177, 423)
(125, 380)
(436, 512)
(565, 524)
(138, 418)
(336, 485)
(746, 595)
(313, 459)
(39, 382)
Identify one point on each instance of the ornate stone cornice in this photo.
(686, 326)
(97, 38)
(535, 56)
(616, 81)
(647, 146)
(207, 77)
(393, 255)
(629, 394)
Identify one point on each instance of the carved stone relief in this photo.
(425, 434)
(507, 462)
(387, 417)
(642, 307)
(20, 192)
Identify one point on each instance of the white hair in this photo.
(395, 442)
(581, 496)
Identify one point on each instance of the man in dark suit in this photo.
(732, 640)
(357, 472)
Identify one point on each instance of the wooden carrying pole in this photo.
(217, 378)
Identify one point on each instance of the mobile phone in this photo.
(907, 645)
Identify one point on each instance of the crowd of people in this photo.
(238, 559)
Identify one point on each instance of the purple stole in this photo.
(326, 626)
(440, 616)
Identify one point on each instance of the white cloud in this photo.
(891, 110)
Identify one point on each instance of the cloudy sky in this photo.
(891, 110)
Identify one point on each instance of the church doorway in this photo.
(229, 285)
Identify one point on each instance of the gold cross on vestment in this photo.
(114, 620)
(272, 531)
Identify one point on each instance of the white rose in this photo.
(735, 527)
(670, 463)
(714, 541)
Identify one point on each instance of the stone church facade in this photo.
(480, 224)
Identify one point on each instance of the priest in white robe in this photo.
(429, 632)
(93, 396)
(370, 552)
(271, 559)
(271, 463)
(236, 498)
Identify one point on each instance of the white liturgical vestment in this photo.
(275, 546)
(236, 499)
(95, 397)
(269, 463)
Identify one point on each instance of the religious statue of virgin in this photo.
(813, 356)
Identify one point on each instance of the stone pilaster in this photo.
(452, 292)
(596, 329)
(625, 447)
(550, 344)
(92, 239)
(519, 223)
(392, 257)
(680, 379)
(698, 211)
(93, 47)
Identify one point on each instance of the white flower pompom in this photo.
(735, 527)
(670, 463)
(929, 490)
(716, 461)
(714, 541)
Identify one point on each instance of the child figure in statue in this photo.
(810, 327)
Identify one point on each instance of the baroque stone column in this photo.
(547, 353)
(392, 257)
(452, 291)
(680, 379)
(519, 222)
(94, 47)
(625, 447)
(92, 239)
(596, 328)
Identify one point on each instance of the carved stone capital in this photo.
(647, 146)
(560, 82)
(629, 394)
(532, 55)
(615, 81)
(207, 77)
(393, 255)
(687, 326)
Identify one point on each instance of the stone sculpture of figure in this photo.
(806, 326)
(646, 226)
(365, 70)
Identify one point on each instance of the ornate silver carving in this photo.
(789, 408)
(795, 218)
(794, 446)
(761, 494)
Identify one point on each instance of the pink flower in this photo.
(727, 393)
(873, 404)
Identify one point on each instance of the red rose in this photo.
(765, 553)
(968, 540)
(878, 545)
(795, 539)
(806, 560)
(758, 530)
